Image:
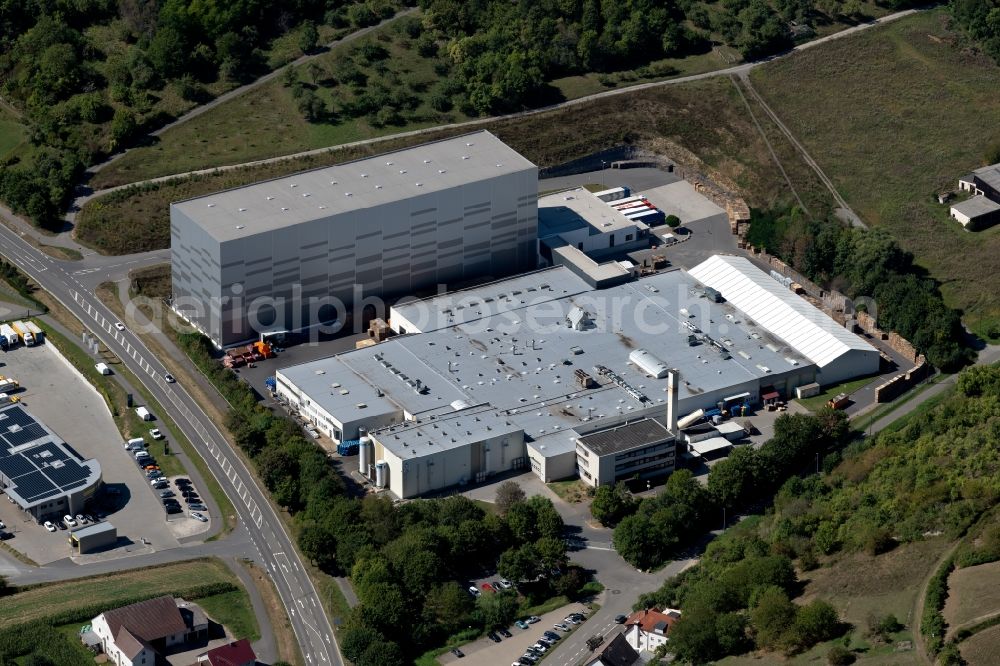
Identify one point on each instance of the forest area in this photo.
(933, 476)
(867, 263)
(90, 77)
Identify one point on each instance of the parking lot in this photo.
(485, 651)
(56, 394)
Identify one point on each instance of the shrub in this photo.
(839, 656)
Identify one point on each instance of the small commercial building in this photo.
(638, 449)
(92, 538)
(40, 472)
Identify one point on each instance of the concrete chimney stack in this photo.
(672, 401)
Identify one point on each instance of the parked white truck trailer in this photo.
(9, 335)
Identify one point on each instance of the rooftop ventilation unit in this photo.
(649, 363)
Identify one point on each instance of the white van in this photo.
(103, 368)
(135, 444)
(144, 413)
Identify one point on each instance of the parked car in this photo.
(167, 501)
(80, 519)
(561, 626)
(155, 433)
(49, 526)
(579, 616)
(505, 584)
(159, 484)
(169, 378)
(620, 619)
(487, 587)
(571, 619)
(152, 468)
(188, 492)
(458, 653)
(173, 509)
(533, 619)
(505, 633)
(493, 637)
(198, 506)
(154, 474)
(521, 624)
(541, 647)
(120, 326)
(2, 526)
(473, 591)
(527, 659)
(70, 521)
(167, 493)
(197, 516)
(552, 636)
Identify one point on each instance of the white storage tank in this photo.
(363, 454)
(381, 473)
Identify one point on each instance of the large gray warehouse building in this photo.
(544, 371)
(280, 254)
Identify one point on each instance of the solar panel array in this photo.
(40, 471)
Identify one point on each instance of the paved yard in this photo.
(485, 651)
(62, 399)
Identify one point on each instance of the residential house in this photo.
(615, 653)
(133, 635)
(647, 630)
(238, 653)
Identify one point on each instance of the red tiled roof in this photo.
(648, 620)
(233, 654)
(148, 620)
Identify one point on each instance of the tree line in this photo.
(90, 75)
(931, 475)
(404, 559)
(868, 263)
(655, 529)
(980, 19)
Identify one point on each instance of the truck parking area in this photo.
(56, 394)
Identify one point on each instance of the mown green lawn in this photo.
(895, 115)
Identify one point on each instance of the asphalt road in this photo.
(270, 543)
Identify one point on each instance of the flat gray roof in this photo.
(619, 439)
(523, 362)
(445, 431)
(94, 529)
(576, 209)
(373, 181)
(976, 206)
(990, 175)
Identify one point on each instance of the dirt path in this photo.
(918, 607)
(740, 70)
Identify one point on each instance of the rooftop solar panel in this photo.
(23, 436)
(15, 415)
(69, 472)
(34, 486)
(14, 466)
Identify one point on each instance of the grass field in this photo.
(39, 602)
(983, 648)
(702, 125)
(895, 115)
(12, 133)
(266, 121)
(973, 592)
(232, 609)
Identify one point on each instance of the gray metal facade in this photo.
(291, 276)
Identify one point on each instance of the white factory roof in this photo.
(365, 183)
(486, 300)
(444, 431)
(780, 311)
(523, 362)
(576, 209)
